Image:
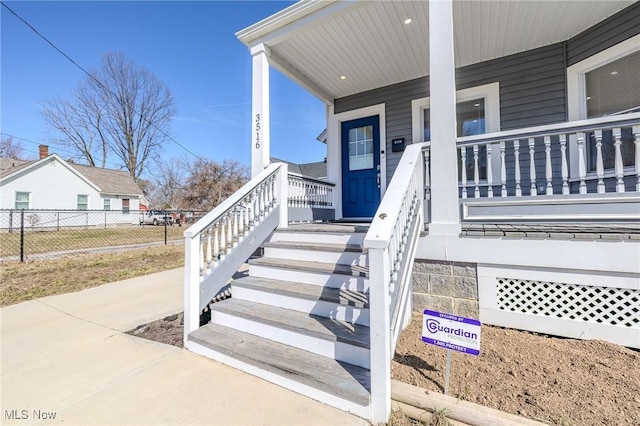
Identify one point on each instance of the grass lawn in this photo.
(20, 282)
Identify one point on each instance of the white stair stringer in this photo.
(300, 319)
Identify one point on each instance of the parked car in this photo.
(156, 217)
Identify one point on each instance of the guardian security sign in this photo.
(451, 332)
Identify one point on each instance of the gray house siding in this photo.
(532, 93)
(397, 99)
(611, 31)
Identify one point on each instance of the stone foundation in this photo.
(450, 287)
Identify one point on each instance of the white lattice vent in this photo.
(604, 305)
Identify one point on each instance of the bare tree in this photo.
(11, 149)
(121, 109)
(208, 182)
(168, 184)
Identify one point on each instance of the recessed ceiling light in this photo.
(343, 77)
(614, 72)
(407, 21)
(476, 105)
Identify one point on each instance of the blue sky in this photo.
(191, 46)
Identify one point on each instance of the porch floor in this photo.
(566, 231)
(613, 231)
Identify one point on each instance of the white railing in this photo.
(504, 164)
(391, 243)
(308, 192)
(219, 243)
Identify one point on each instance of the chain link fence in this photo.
(40, 234)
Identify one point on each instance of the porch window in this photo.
(22, 200)
(470, 118)
(125, 205)
(83, 202)
(361, 148)
(107, 204)
(613, 89)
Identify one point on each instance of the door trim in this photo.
(334, 147)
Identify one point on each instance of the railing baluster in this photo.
(463, 156)
(582, 168)
(208, 232)
(489, 172)
(245, 213)
(223, 239)
(599, 163)
(548, 169)
(516, 153)
(476, 172)
(216, 244)
(236, 227)
(427, 175)
(201, 255)
(533, 191)
(229, 219)
(619, 167)
(565, 166)
(503, 169)
(636, 134)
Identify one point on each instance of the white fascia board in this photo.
(285, 23)
(290, 72)
(52, 157)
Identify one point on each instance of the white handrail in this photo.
(592, 169)
(391, 243)
(219, 243)
(624, 120)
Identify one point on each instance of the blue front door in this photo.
(360, 167)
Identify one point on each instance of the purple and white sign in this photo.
(451, 332)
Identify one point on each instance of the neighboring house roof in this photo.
(316, 170)
(11, 165)
(110, 181)
(107, 181)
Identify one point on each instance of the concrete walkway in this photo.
(67, 356)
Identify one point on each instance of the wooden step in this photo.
(349, 277)
(331, 338)
(291, 367)
(342, 254)
(318, 327)
(342, 305)
(324, 233)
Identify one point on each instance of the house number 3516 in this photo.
(257, 131)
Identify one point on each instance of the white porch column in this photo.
(445, 217)
(260, 123)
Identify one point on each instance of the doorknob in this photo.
(378, 179)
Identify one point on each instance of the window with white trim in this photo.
(477, 112)
(83, 202)
(22, 200)
(107, 204)
(613, 89)
(125, 205)
(606, 84)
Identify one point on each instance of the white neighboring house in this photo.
(51, 183)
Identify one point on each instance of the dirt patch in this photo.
(169, 330)
(561, 381)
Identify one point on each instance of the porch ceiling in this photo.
(316, 42)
